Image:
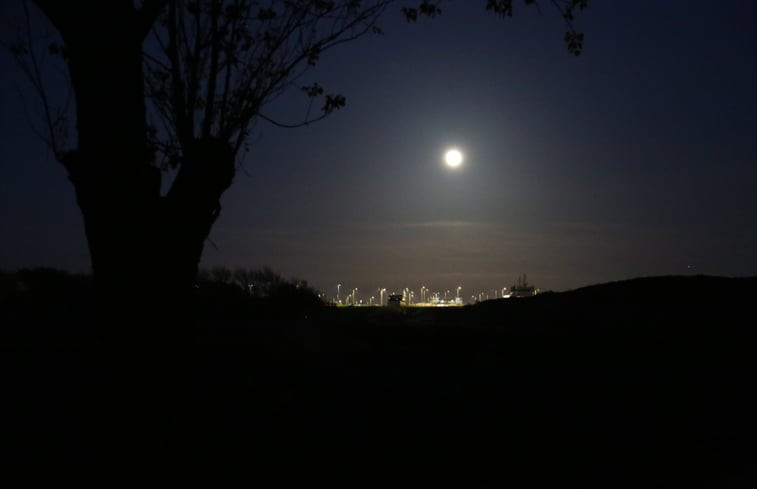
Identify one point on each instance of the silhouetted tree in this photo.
(245, 279)
(175, 84)
(260, 293)
(221, 275)
(44, 293)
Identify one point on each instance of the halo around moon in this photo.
(453, 158)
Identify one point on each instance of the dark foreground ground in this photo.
(646, 383)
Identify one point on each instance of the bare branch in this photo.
(30, 64)
(148, 14)
(152, 59)
(292, 126)
(180, 114)
(224, 60)
(215, 53)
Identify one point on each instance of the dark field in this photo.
(644, 383)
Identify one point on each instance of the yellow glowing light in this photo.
(453, 158)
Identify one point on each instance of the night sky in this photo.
(637, 158)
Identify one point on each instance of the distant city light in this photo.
(427, 297)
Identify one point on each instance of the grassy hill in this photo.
(641, 383)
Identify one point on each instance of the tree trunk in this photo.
(117, 187)
(145, 248)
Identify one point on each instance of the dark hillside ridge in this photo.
(643, 383)
(676, 305)
(669, 289)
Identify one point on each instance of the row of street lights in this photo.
(409, 295)
(426, 296)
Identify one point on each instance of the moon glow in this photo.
(453, 158)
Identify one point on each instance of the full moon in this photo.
(453, 158)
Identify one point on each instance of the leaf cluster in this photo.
(504, 8)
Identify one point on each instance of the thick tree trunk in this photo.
(191, 207)
(145, 248)
(117, 187)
